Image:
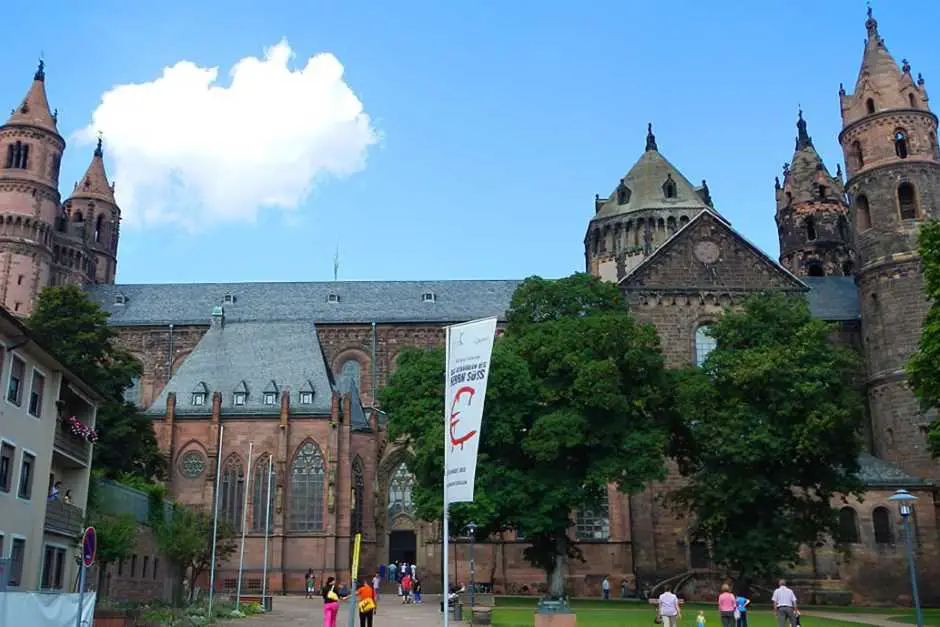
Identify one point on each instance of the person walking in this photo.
(330, 602)
(376, 585)
(392, 568)
(785, 605)
(416, 589)
(726, 606)
(366, 604)
(605, 586)
(669, 609)
(310, 583)
(743, 603)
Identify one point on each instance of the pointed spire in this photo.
(803, 140)
(650, 138)
(94, 183)
(871, 25)
(34, 110)
(98, 150)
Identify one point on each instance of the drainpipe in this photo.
(374, 342)
(169, 356)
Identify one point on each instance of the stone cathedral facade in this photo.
(293, 370)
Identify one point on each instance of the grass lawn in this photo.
(931, 617)
(632, 615)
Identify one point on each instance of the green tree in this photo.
(767, 434)
(117, 540)
(577, 398)
(76, 330)
(923, 368)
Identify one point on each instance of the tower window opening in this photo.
(810, 228)
(907, 201)
(857, 153)
(862, 213)
(789, 199)
(669, 187)
(848, 268)
(814, 268)
(623, 194)
(843, 227)
(870, 105)
(900, 144)
(18, 155)
(822, 191)
(99, 225)
(913, 101)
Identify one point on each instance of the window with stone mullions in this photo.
(233, 492)
(306, 490)
(593, 523)
(261, 489)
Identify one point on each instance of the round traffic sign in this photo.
(89, 546)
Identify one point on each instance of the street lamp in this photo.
(472, 532)
(905, 501)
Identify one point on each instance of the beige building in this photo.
(46, 416)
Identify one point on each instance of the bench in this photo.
(266, 602)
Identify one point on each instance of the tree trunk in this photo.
(556, 578)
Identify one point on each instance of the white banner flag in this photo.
(469, 348)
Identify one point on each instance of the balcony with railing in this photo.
(73, 427)
(64, 519)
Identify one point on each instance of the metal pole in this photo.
(81, 589)
(910, 561)
(267, 529)
(241, 557)
(444, 540)
(473, 568)
(215, 522)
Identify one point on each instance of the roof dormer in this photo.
(200, 394)
(269, 395)
(240, 395)
(428, 297)
(306, 394)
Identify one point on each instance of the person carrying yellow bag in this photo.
(366, 596)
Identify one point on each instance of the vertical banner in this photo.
(354, 573)
(469, 348)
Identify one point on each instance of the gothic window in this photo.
(78, 217)
(99, 228)
(913, 102)
(814, 268)
(399, 493)
(306, 490)
(821, 191)
(351, 374)
(843, 226)
(262, 497)
(900, 144)
(671, 225)
(192, 464)
(358, 495)
(704, 344)
(623, 194)
(810, 228)
(881, 521)
(907, 201)
(669, 187)
(857, 153)
(848, 525)
(233, 492)
(870, 105)
(56, 165)
(862, 213)
(593, 523)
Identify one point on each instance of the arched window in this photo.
(848, 268)
(669, 187)
(848, 525)
(862, 213)
(881, 521)
(810, 228)
(704, 344)
(11, 154)
(262, 496)
(358, 495)
(400, 487)
(306, 490)
(843, 226)
(351, 374)
(623, 194)
(699, 555)
(78, 217)
(233, 492)
(907, 201)
(593, 523)
(814, 268)
(99, 227)
(910, 97)
(900, 144)
(870, 105)
(857, 153)
(18, 155)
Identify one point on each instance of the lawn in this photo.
(634, 615)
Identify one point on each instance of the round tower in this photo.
(812, 216)
(30, 153)
(889, 138)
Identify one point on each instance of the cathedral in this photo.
(240, 378)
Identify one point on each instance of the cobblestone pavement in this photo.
(294, 611)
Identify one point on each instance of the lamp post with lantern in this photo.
(472, 532)
(905, 501)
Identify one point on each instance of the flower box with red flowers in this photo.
(79, 430)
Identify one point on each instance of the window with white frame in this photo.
(593, 523)
(15, 386)
(35, 393)
(704, 344)
(53, 568)
(270, 398)
(7, 454)
(306, 397)
(17, 557)
(27, 468)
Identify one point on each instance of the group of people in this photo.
(333, 592)
(406, 576)
(732, 608)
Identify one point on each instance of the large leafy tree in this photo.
(577, 398)
(768, 434)
(76, 330)
(924, 366)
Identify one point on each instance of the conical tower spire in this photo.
(94, 184)
(34, 110)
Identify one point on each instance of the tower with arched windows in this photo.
(889, 138)
(812, 216)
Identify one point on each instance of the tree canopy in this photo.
(577, 399)
(76, 330)
(924, 366)
(767, 434)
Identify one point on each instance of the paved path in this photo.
(294, 611)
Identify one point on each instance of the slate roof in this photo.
(878, 473)
(833, 298)
(287, 353)
(358, 301)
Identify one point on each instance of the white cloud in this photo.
(184, 150)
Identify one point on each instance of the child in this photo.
(796, 619)
(700, 619)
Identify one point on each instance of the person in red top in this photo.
(406, 589)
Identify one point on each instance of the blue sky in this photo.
(494, 123)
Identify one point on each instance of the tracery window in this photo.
(306, 489)
(263, 494)
(593, 523)
(233, 492)
(399, 493)
(358, 495)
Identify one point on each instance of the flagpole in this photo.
(267, 529)
(446, 540)
(241, 557)
(215, 520)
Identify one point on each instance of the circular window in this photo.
(192, 464)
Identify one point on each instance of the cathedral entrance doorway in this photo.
(402, 546)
